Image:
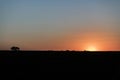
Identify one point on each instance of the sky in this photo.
(60, 24)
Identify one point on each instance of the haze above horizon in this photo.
(60, 24)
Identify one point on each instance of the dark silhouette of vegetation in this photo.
(62, 61)
(15, 48)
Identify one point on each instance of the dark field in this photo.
(27, 62)
(64, 61)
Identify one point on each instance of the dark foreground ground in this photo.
(61, 61)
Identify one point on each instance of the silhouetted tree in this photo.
(15, 48)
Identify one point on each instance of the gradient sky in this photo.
(60, 24)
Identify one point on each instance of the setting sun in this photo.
(91, 48)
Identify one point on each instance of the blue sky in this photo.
(42, 21)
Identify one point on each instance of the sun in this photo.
(91, 48)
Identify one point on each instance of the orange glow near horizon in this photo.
(92, 48)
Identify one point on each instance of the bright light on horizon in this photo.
(92, 48)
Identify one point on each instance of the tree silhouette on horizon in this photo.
(15, 48)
